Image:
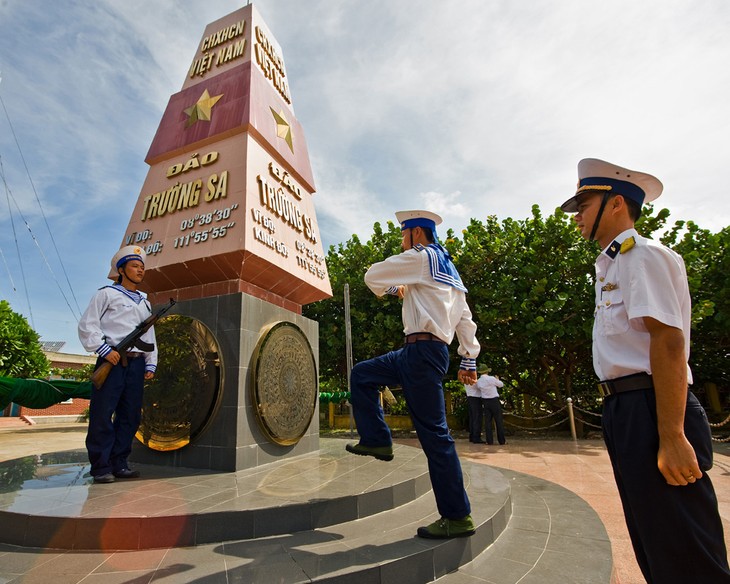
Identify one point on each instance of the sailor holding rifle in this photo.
(115, 410)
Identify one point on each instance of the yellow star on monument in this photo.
(283, 129)
(201, 109)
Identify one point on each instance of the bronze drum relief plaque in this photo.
(284, 383)
(182, 398)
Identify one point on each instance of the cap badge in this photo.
(612, 249)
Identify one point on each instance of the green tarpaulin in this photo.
(40, 393)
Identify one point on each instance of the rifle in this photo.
(131, 340)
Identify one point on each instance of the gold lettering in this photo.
(239, 49)
(173, 198)
(212, 179)
(217, 187)
(271, 64)
(209, 158)
(192, 163)
(184, 199)
(146, 205)
(299, 220)
(223, 35)
(162, 208)
(175, 169)
(195, 194)
(222, 190)
(153, 205)
(262, 191)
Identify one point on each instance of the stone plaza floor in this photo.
(581, 467)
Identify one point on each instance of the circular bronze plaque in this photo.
(284, 383)
(180, 400)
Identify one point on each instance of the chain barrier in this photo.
(586, 411)
(537, 417)
(341, 396)
(582, 421)
(537, 429)
(548, 427)
(718, 425)
(589, 424)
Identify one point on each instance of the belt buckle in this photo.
(604, 389)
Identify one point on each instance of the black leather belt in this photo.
(134, 355)
(415, 337)
(627, 383)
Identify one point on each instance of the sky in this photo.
(469, 109)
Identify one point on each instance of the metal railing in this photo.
(720, 425)
(574, 414)
(571, 418)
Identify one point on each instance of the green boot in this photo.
(447, 528)
(379, 452)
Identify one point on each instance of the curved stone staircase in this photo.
(322, 517)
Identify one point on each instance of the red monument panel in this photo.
(227, 203)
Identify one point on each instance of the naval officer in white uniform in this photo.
(656, 432)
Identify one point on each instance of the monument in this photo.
(226, 216)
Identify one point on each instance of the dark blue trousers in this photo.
(419, 369)
(476, 417)
(676, 532)
(493, 411)
(114, 416)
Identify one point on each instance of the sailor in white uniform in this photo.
(115, 409)
(434, 310)
(655, 430)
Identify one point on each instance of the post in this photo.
(572, 419)
(348, 350)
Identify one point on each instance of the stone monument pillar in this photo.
(226, 216)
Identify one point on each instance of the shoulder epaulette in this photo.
(628, 243)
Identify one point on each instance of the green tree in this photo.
(75, 373)
(530, 289)
(707, 258)
(20, 351)
(376, 322)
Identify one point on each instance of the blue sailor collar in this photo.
(441, 267)
(623, 243)
(134, 295)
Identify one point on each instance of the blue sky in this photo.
(471, 109)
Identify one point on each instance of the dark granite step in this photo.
(363, 529)
(553, 537)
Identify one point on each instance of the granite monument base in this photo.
(232, 436)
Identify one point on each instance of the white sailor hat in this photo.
(409, 219)
(127, 253)
(602, 176)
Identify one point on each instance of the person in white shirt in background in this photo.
(483, 399)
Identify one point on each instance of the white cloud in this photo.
(476, 108)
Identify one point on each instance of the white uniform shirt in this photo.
(428, 306)
(473, 390)
(646, 280)
(488, 385)
(112, 314)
